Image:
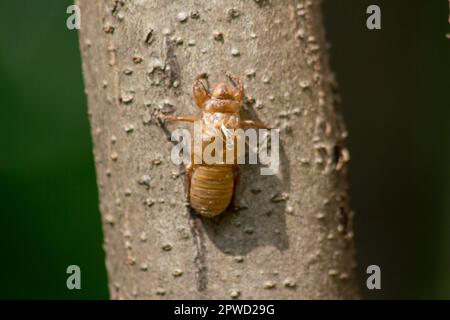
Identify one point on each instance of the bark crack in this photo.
(197, 232)
(171, 61)
(198, 235)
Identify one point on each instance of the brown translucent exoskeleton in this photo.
(210, 188)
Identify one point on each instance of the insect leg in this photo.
(187, 180)
(179, 119)
(239, 87)
(200, 92)
(251, 123)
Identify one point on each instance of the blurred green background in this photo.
(395, 87)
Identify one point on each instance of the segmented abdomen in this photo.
(211, 189)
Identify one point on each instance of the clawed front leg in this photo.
(200, 92)
(238, 87)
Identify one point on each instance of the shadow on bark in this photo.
(260, 220)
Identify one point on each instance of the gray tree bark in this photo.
(292, 235)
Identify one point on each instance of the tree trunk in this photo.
(292, 235)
